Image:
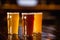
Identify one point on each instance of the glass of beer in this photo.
(32, 23)
(13, 23)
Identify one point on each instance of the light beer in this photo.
(13, 23)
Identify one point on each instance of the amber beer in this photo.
(13, 22)
(28, 24)
(32, 23)
(37, 28)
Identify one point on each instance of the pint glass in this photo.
(13, 23)
(32, 23)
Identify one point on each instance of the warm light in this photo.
(10, 30)
(7, 16)
(22, 17)
(25, 30)
(37, 23)
(37, 26)
(13, 22)
(10, 16)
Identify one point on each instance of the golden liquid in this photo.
(13, 23)
(37, 26)
(37, 23)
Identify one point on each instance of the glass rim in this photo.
(32, 13)
(12, 12)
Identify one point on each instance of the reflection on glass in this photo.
(13, 23)
(32, 25)
(47, 33)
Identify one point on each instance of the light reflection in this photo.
(37, 25)
(10, 16)
(13, 23)
(25, 17)
(27, 2)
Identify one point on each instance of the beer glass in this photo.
(32, 24)
(13, 23)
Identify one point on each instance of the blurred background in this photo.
(30, 4)
(49, 8)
